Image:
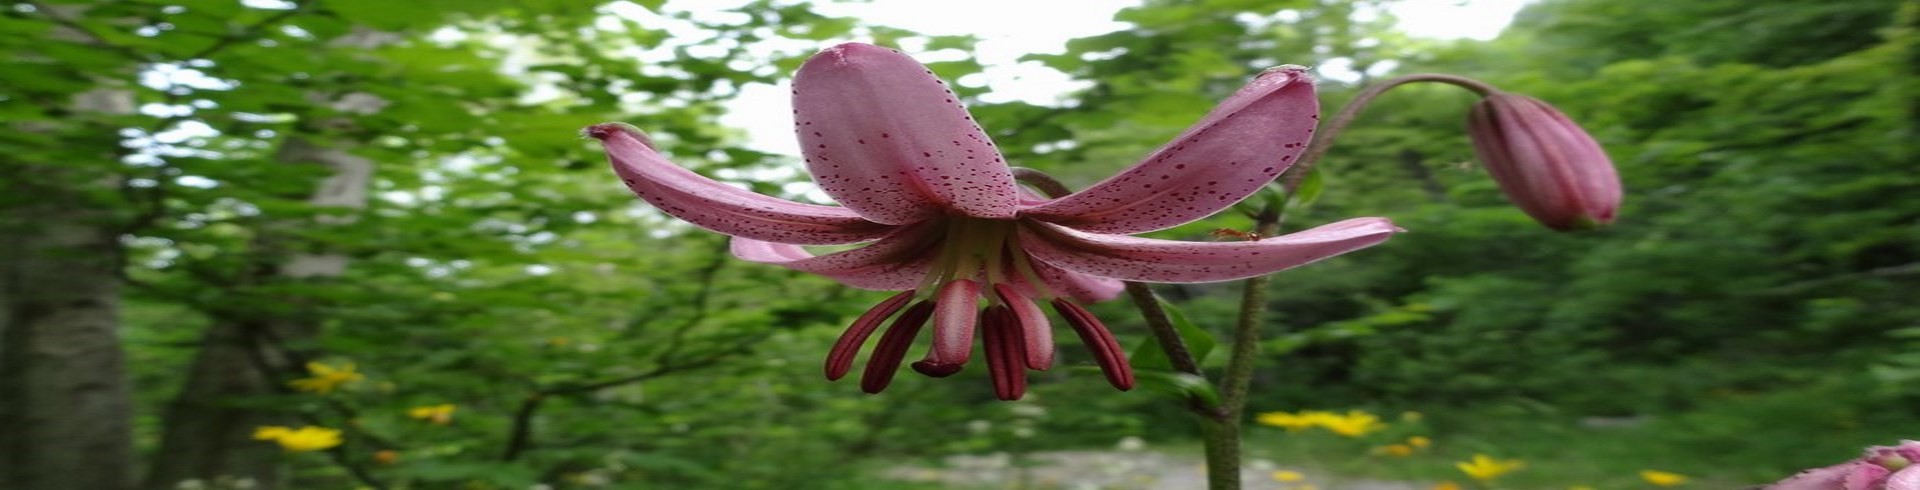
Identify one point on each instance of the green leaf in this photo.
(1200, 343)
(1178, 385)
(1311, 186)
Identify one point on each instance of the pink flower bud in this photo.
(1545, 163)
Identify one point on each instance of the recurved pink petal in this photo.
(1238, 147)
(720, 207)
(897, 262)
(887, 139)
(1145, 259)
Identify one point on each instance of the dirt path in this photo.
(1116, 470)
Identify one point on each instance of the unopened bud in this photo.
(1545, 163)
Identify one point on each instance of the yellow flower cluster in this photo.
(1354, 423)
(437, 414)
(1486, 468)
(1293, 480)
(325, 378)
(1663, 478)
(1404, 449)
(303, 439)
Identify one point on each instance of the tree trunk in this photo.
(65, 410)
(207, 434)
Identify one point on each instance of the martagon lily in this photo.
(943, 221)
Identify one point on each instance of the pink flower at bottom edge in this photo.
(1881, 468)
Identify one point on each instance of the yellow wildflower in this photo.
(437, 414)
(1579, 487)
(326, 378)
(386, 456)
(303, 439)
(1306, 486)
(1289, 421)
(1446, 485)
(1395, 450)
(1288, 476)
(1663, 478)
(270, 432)
(1486, 468)
(1419, 442)
(1354, 424)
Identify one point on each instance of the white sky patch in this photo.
(1010, 29)
(1456, 19)
(1007, 29)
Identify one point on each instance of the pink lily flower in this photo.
(1881, 468)
(944, 222)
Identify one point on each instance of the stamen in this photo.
(1024, 266)
(1038, 333)
(1006, 356)
(893, 347)
(954, 314)
(946, 263)
(1106, 351)
(840, 359)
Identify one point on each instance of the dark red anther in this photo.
(1036, 332)
(1106, 350)
(893, 347)
(1006, 352)
(840, 359)
(954, 316)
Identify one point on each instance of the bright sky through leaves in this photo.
(1045, 28)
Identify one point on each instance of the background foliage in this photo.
(1750, 315)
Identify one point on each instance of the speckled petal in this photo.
(1150, 260)
(720, 207)
(887, 139)
(1238, 147)
(897, 262)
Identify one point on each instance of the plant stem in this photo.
(1219, 425)
(1323, 139)
(1222, 432)
(1164, 333)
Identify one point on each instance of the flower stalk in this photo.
(1323, 139)
(1544, 162)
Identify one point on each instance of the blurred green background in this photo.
(202, 199)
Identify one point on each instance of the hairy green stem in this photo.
(1222, 434)
(1163, 330)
